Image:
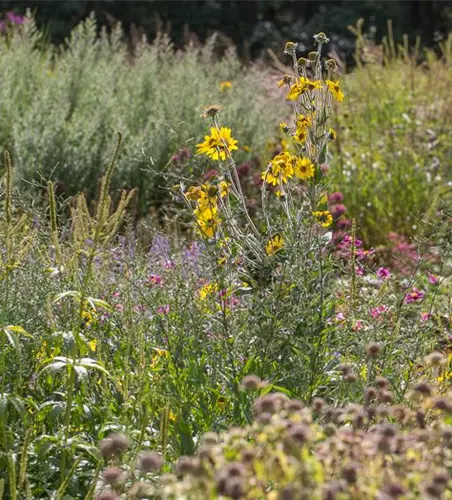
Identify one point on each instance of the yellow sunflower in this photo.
(324, 218)
(218, 144)
(304, 169)
(275, 244)
(335, 90)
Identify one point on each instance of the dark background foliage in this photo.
(252, 25)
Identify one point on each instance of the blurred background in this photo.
(252, 25)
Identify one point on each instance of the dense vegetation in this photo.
(249, 233)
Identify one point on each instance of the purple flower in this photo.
(383, 273)
(337, 210)
(2, 26)
(164, 309)
(14, 19)
(433, 279)
(415, 295)
(425, 316)
(336, 197)
(155, 279)
(358, 325)
(377, 311)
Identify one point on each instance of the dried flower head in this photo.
(150, 461)
(211, 111)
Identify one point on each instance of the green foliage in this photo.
(62, 107)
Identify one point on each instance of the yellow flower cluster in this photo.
(275, 244)
(218, 145)
(284, 166)
(206, 211)
(302, 86)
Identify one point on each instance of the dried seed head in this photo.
(394, 490)
(150, 461)
(373, 350)
(441, 478)
(235, 469)
(442, 404)
(381, 382)
(113, 445)
(385, 396)
(370, 393)
(233, 488)
(267, 403)
(264, 418)
(420, 419)
(321, 38)
(423, 388)
(434, 490)
(290, 48)
(107, 495)
(211, 111)
(113, 475)
(388, 431)
(399, 412)
(185, 465)
(344, 368)
(248, 455)
(251, 383)
(210, 438)
(435, 359)
(447, 433)
(299, 434)
(318, 404)
(294, 405)
(350, 473)
(331, 65)
(351, 377)
(302, 62)
(383, 411)
(313, 56)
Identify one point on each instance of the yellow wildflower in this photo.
(218, 144)
(208, 289)
(303, 121)
(335, 90)
(324, 218)
(285, 80)
(332, 134)
(313, 84)
(93, 344)
(225, 85)
(87, 318)
(280, 169)
(246, 148)
(274, 244)
(304, 169)
(207, 219)
(301, 134)
(295, 91)
(224, 188)
(283, 126)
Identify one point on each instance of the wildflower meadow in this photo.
(222, 280)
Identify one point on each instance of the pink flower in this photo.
(377, 311)
(362, 254)
(359, 271)
(169, 264)
(154, 279)
(433, 279)
(164, 309)
(414, 296)
(425, 316)
(358, 325)
(339, 317)
(119, 307)
(336, 197)
(383, 273)
(337, 210)
(116, 294)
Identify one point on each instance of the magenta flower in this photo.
(425, 316)
(375, 312)
(169, 264)
(164, 309)
(415, 295)
(336, 197)
(362, 254)
(155, 279)
(383, 273)
(433, 279)
(337, 210)
(358, 325)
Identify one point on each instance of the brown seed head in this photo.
(211, 111)
(150, 461)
